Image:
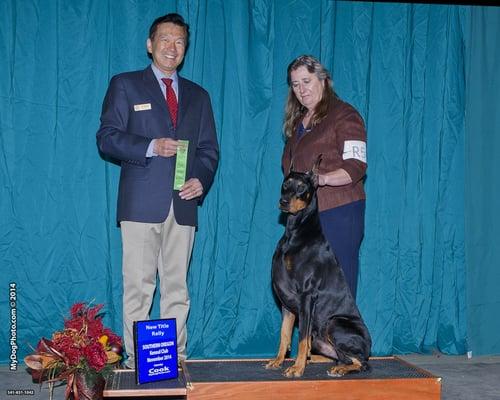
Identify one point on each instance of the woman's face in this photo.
(307, 87)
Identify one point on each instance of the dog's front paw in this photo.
(336, 372)
(342, 369)
(274, 364)
(295, 371)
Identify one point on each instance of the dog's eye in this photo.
(301, 188)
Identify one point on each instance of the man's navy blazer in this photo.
(134, 112)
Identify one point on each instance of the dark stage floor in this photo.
(234, 371)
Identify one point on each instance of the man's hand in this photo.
(166, 147)
(191, 189)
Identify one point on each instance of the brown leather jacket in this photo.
(328, 138)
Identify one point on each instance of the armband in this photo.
(354, 149)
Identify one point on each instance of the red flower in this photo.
(77, 309)
(95, 328)
(69, 344)
(95, 356)
(92, 313)
(76, 323)
(80, 346)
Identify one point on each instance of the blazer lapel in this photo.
(153, 88)
(183, 100)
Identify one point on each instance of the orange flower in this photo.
(104, 340)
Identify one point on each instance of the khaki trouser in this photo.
(163, 248)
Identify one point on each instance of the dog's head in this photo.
(298, 189)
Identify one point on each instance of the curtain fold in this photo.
(481, 181)
(407, 77)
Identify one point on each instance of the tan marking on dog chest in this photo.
(297, 205)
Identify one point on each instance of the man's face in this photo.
(167, 47)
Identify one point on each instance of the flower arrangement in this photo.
(83, 353)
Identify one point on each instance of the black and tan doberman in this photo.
(311, 287)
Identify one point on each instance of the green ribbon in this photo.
(181, 164)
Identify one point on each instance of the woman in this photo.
(317, 123)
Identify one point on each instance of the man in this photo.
(145, 114)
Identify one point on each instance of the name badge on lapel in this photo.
(142, 107)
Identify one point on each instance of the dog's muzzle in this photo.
(284, 204)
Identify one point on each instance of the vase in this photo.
(82, 387)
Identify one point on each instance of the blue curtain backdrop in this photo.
(482, 164)
(403, 66)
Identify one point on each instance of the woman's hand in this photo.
(339, 177)
(321, 180)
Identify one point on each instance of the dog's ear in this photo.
(316, 164)
(315, 179)
(314, 171)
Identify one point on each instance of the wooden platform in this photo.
(122, 384)
(389, 378)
